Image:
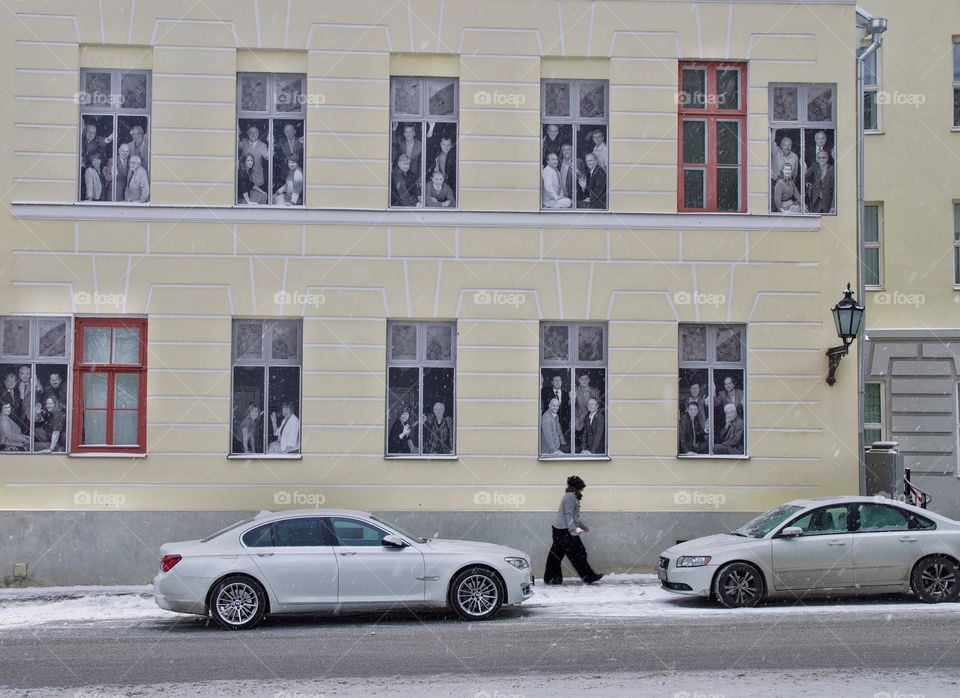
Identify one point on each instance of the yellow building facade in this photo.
(170, 316)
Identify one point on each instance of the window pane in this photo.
(694, 411)
(820, 185)
(52, 383)
(253, 92)
(441, 98)
(439, 345)
(871, 266)
(96, 345)
(694, 88)
(871, 403)
(95, 390)
(728, 88)
(95, 153)
(556, 343)
(729, 344)
(592, 102)
(133, 91)
(403, 342)
(353, 532)
(876, 517)
(406, 96)
(131, 135)
(785, 103)
(17, 403)
(556, 411)
(871, 223)
(693, 343)
(728, 389)
(728, 189)
(94, 427)
(871, 436)
(249, 340)
(870, 69)
(441, 175)
(593, 155)
(254, 159)
(289, 94)
(284, 408)
(588, 401)
(16, 336)
(299, 532)
(728, 142)
(248, 403)
(405, 180)
(126, 345)
(285, 344)
(403, 410)
(125, 428)
(259, 537)
(126, 391)
(438, 428)
(956, 106)
(870, 111)
(53, 337)
(288, 162)
(694, 190)
(694, 141)
(956, 62)
(97, 90)
(956, 221)
(556, 99)
(819, 103)
(590, 344)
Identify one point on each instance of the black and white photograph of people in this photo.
(566, 533)
(254, 160)
(287, 432)
(104, 179)
(423, 169)
(806, 188)
(25, 407)
(402, 437)
(567, 182)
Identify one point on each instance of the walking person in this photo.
(567, 527)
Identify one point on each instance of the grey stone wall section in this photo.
(67, 548)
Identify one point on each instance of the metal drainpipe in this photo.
(875, 28)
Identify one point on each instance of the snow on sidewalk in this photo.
(617, 595)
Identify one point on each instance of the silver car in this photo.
(832, 545)
(328, 560)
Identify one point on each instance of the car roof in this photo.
(287, 513)
(857, 499)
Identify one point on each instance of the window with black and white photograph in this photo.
(34, 363)
(423, 142)
(711, 419)
(265, 395)
(803, 148)
(271, 132)
(421, 370)
(575, 156)
(114, 151)
(573, 389)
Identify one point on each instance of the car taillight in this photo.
(168, 561)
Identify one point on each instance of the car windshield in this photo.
(416, 539)
(767, 521)
(224, 530)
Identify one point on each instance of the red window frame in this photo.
(81, 368)
(711, 114)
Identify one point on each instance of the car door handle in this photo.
(836, 542)
(264, 554)
(908, 539)
(348, 553)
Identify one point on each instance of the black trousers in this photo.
(572, 547)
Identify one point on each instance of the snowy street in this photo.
(624, 636)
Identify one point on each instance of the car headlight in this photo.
(518, 562)
(693, 560)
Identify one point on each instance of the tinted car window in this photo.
(354, 532)
(299, 532)
(764, 523)
(880, 517)
(825, 520)
(260, 537)
(920, 522)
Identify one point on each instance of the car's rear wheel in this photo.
(238, 603)
(739, 585)
(936, 579)
(476, 593)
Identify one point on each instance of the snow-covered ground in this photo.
(618, 595)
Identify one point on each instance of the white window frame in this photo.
(874, 89)
(879, 426)
(878, 245)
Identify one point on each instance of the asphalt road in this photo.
(520, 642)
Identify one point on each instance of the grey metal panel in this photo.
(883, 352)
(929, 443)
(929, 423)
(945, 490)
(944, 350)
(942, 404)
(921, 386)
(922, 367)
(945, 463)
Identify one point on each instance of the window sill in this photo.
(878, 132)
(874, 289)
(88, 454)
(718, 456)
(265, 456)
(567, 458)
(422, 456)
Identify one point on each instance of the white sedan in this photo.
(329, 560)
(832, 545)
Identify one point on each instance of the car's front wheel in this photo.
(739, 585)
(476, 593)
(238, 603)
(936, 579)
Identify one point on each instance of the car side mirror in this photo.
(394, 542)
(791, 532)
